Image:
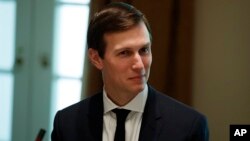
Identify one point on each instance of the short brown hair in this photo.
(115, 17)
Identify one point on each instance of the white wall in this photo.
(222, 64)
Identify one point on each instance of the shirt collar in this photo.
(137, 104)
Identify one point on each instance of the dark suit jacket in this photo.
(164, 119)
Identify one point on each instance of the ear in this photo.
(95, 59)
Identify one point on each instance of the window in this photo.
(69, 48)
(7, 34)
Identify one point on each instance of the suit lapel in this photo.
(150, 122)
(90, 120)
(96, 117)
(151, 117)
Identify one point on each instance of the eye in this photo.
(124, 53)
(144, 50)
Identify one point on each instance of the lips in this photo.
(138, 77)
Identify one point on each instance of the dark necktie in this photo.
(121, 115)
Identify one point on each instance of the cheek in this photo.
(122, 67)
(117, 68)
(147, 62)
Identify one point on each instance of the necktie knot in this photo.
(121, 115)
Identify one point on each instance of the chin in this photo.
(139, 88)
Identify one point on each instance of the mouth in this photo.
(137, 77)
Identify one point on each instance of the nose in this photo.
(138, 62)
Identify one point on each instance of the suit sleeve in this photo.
(199, 131)
(55, 135)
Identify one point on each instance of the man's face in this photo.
(127, 60)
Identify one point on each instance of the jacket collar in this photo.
(96, 116)
(150, 121)
(91, 128)
(151, 117)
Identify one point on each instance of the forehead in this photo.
(137, 36)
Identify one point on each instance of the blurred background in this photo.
(200, 57)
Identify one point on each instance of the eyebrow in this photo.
(148, 44)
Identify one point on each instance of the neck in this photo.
(120, 98)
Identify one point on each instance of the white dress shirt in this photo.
(133, 121)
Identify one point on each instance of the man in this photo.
(119, 45)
